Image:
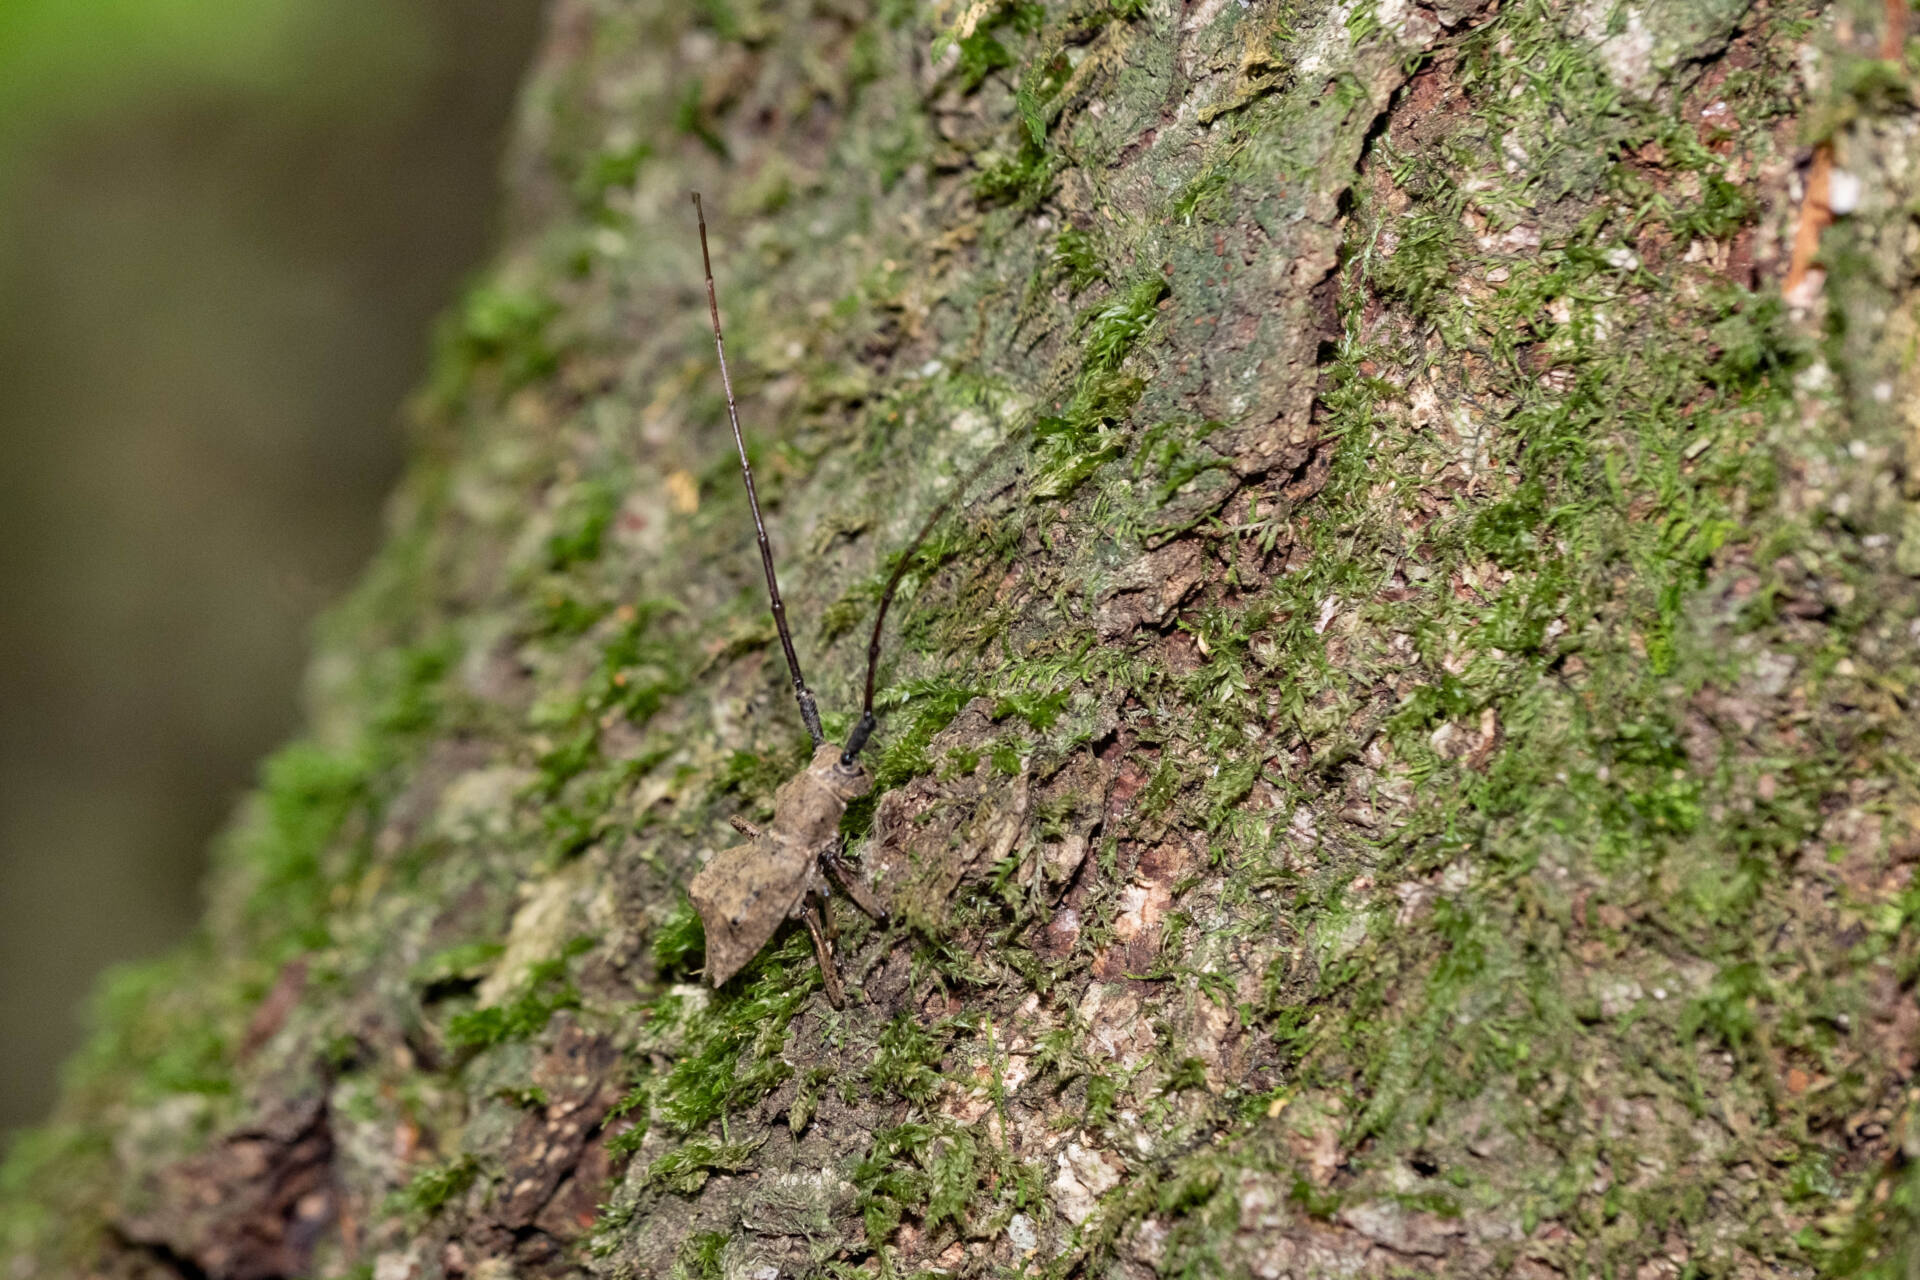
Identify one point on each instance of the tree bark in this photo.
(1404, 763)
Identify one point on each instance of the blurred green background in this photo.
(225, 229)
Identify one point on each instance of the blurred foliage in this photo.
(225, 229)
(67, 59)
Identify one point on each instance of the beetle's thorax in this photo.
(808, 807)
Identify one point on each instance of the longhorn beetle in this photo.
(746, 892)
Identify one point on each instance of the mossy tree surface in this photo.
(1405, 764)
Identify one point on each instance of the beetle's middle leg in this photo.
(823, 950)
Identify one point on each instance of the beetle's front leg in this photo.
(850, 884)
(823, 950)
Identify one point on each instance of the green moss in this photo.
(565, 616)
(756, 776)
(699, 1257)
(43, 1167)
(498, 329)
(1087, 430)
(892, 1178)
(1201, 198)
(566, 759)
(1883, 1240)
(635, 1111)
(1040, 711)
(1115, 329)
(929, 1166)
(679, 944)
(686, 1168)
(582, 526)
(906, 1062)
(1021, 178)
(608, 171)
(546, 990)
(1076, 259)
(1601, 769)
(526, 1097)
(640, 667)
(730, 1057)
(981, 52)
(916, 711)
(1612, 778)
(1043, 78)
(169, 1027)
(146, 1034)
(690, 118)
(434, 1187)
(410, 699)
(306, 795)
(462, 964)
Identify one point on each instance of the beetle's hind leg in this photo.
(823, 951)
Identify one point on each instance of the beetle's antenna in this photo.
(864, 728)
(809, 713)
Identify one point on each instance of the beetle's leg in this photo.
(850, 884)
(825, 908)
(823, 951)
(744, 827)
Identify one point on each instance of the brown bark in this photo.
(1407, 767)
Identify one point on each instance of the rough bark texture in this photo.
(1409, 767)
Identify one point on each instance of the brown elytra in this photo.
(746, 892)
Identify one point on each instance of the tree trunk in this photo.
(1405, 761)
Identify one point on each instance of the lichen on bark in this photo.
(1406, 765)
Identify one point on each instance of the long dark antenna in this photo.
(809, 713)
(864, 728)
